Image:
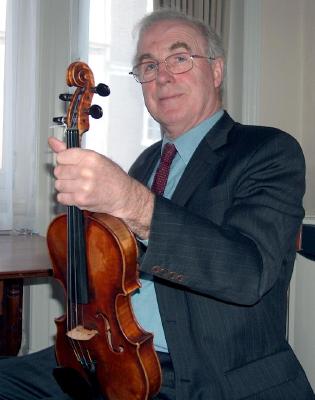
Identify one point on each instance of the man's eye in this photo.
(180, 58)
(148, 67)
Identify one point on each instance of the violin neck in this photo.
(72, 138)
(77, 280)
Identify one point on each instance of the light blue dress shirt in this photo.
(144, 301)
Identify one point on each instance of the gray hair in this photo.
(214, 46)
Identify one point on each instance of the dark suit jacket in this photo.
(222, 252)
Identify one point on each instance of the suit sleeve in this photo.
(240, 259)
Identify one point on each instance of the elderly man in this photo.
(217, 240)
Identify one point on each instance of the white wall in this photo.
(303, 306)
(287, 101)
(308, 101)
(302, 315)
(287, 76)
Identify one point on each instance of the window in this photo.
(2, 43)
(151, 131)
(123, 132)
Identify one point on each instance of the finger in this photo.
(72, 197)
(64, 155)
(73, 156)
(56, 145)
(63, 171)
(66, 199)
(80, 187)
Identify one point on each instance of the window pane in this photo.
(120, 133)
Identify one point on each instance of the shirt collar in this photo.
(187, 143)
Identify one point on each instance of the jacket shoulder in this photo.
(257, 134)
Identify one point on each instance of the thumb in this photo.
(56, 145)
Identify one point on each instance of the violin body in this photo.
(120, 354)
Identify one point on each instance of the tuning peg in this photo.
(96, 111)
(102, 90)
(65, 96)
(59, 120)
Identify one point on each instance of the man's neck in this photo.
(173, 132)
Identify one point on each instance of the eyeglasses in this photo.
(176, 64)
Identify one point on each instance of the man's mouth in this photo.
(170, 97)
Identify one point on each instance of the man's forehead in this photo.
(169, 36)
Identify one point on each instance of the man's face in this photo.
(179, 101)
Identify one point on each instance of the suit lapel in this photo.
(204, 162)
(143, 168)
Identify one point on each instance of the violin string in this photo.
(70, 268)
(78, 351)
(75, 247)
(81, 245)
(74, 115)
(69, 284)
(84, 355)
(77, 260)
(71, 260)
(75, 252)
(69, 263)
(68, 258)
(75, 238)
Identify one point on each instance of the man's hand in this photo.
(93, 182)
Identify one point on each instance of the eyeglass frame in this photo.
(157, 63)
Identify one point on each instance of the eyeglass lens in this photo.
(175, 63)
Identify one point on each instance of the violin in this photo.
(101, 350)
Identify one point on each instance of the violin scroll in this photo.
(80, 75)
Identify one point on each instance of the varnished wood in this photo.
(121, 347)
(10, 340)
(21, 257)
(94, 257)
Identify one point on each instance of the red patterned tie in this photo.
(161, 175)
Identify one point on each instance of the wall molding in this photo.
(251, 61)
(309, 219)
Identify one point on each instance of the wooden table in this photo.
(20, 257)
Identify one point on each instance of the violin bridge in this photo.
(81, 333)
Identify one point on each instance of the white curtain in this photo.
(17, 179)
(215, 13)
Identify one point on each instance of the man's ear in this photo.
(218, 71)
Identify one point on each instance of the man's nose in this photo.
(162, 74)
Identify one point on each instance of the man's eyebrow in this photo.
(179, 45)
(174, 46)
(145, 56)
